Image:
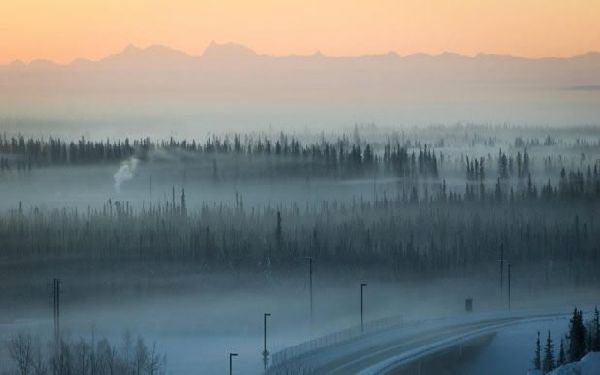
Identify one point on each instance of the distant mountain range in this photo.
(158, 56)
(232, 69)
(230, 86)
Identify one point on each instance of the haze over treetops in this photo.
(63, 30)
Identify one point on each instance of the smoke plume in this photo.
(125, 173)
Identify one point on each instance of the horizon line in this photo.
(213, 44)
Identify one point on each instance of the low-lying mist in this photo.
(188, 243)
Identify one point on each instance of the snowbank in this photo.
(589, 365)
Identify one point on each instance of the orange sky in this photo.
(61, 30)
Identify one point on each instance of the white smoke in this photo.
(125, 173)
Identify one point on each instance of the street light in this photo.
(509, 286)
(501, 266)
(362, 327)
(231, 355)
(265, 351)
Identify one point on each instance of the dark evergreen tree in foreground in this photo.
(562, 359)
(537, 361)
(596, 328)
(548, 363)
(577, 336)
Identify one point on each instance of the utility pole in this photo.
(265, 351)
(231, 355)
(310, 287)
(501, 266)
(56, 316)
(362, 326)
(509, 286)
(56, 310)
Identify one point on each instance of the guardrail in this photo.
(292, 360)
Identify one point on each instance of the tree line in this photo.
(395, 233)
(85, 356)
(21, 154)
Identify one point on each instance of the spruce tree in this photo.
(561, 355)
(577, 336)
(548, 363)
(596, 327)
(537, 362)
(278, 230)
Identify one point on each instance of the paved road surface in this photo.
(380, 352)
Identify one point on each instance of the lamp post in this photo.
(231, 355)
(265, 351)
(509, 286)
(501, 266)
(362, 327)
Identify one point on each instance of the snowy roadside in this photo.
(588, 365)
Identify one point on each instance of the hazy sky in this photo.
(61, 30)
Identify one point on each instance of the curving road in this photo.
(383, 351)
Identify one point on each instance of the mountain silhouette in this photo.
(227, 51)
(232, 79)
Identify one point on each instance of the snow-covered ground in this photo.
(512, 349)
(589, 365)
(197, 329)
